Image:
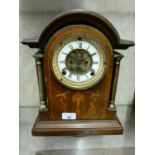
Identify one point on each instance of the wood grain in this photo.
(79, 17)
(76, 128)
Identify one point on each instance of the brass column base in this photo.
(77, 128)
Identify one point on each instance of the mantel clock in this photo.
(77, 69)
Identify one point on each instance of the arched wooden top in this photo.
(80, 17)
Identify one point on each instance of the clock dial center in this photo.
(79, 61)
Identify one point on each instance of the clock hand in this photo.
(72, 58)
(78, 62)
(85, 58)
(88, 57)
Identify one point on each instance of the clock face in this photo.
(79, 61)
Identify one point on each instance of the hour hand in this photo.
(72, 58)
(85, 58)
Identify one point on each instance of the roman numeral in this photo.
(88, 47)
(95, 62)
(64, 68)
(70, 75)
(92, 70)
(80, 44)
(93, 54)
(64, 53)
(62, 62)
(71, 47)
(78, 77)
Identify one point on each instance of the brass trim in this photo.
(117, 59)
(38, 57)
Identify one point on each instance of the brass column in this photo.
(39, 59)
(117, 59)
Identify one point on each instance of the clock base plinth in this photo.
(76, 127)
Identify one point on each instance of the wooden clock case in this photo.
(95, 107)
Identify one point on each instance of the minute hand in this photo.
(72, 58)
(88, 56)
